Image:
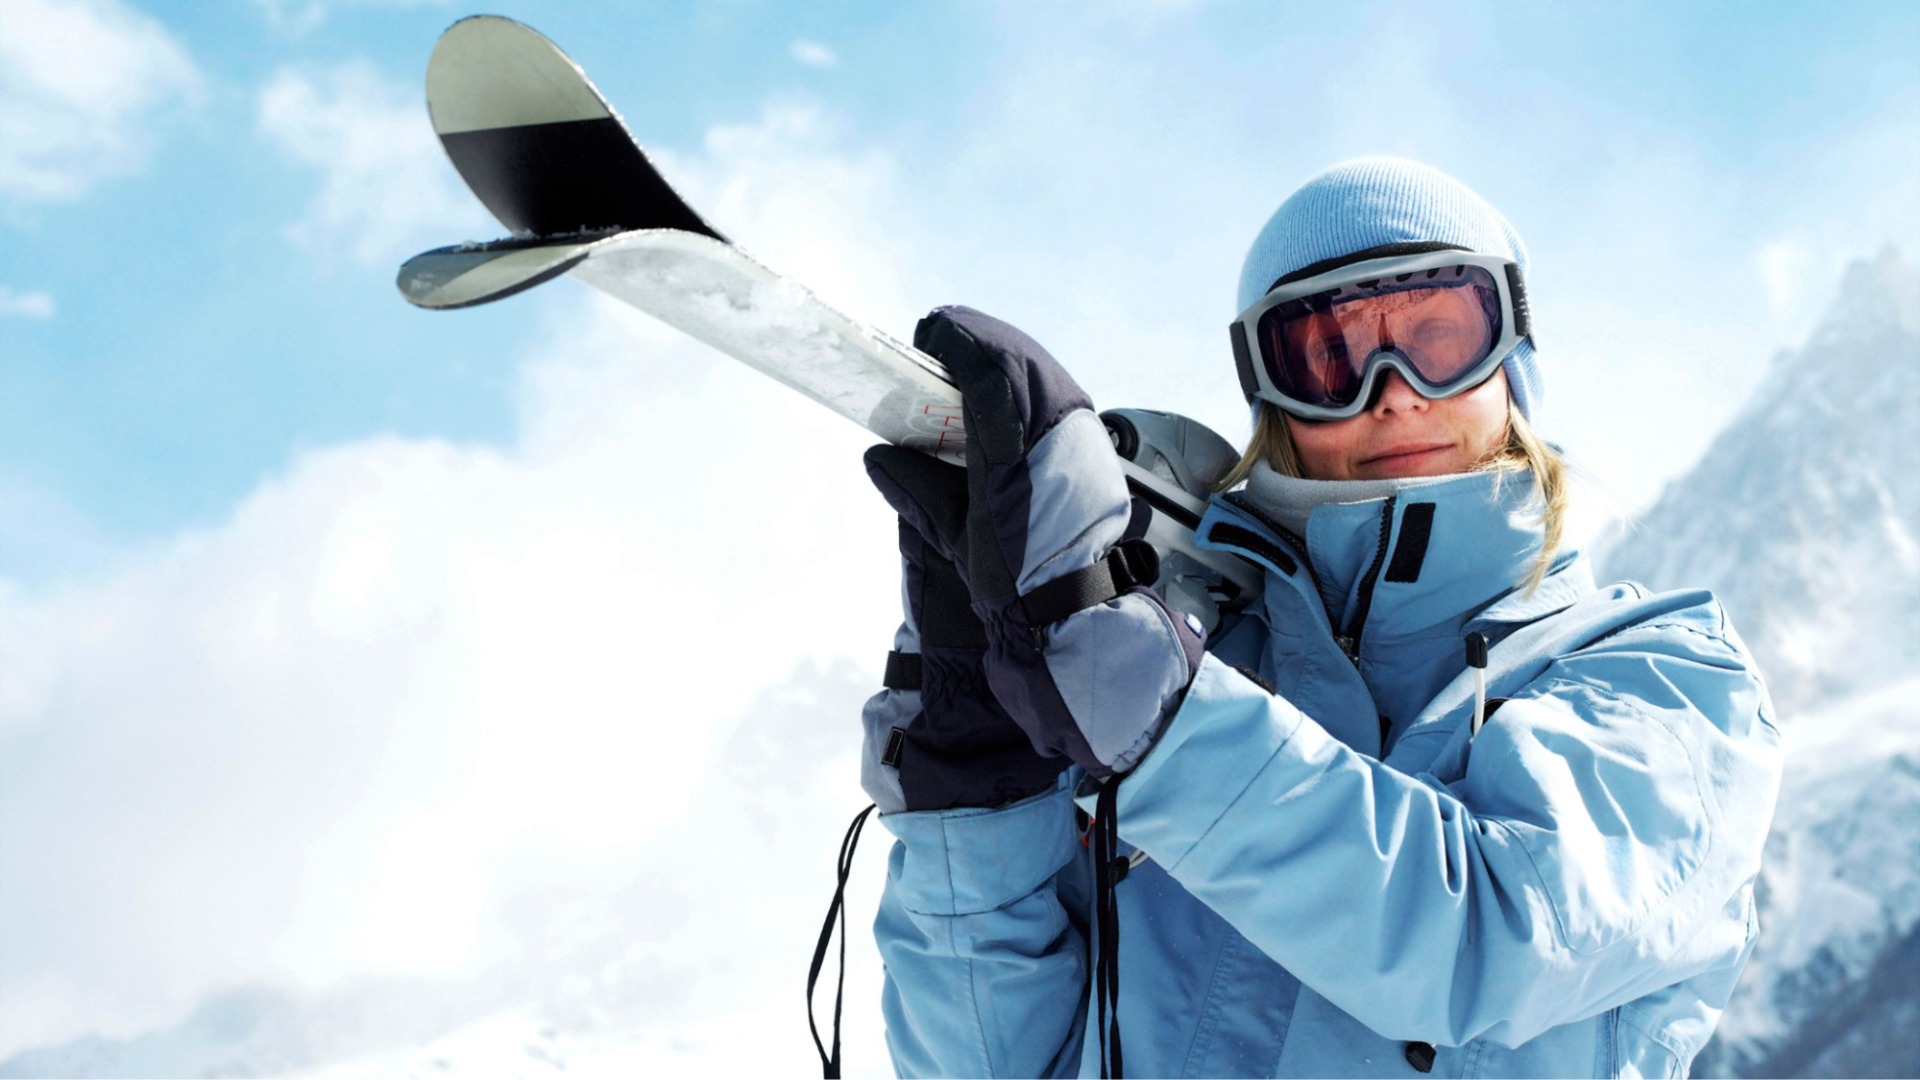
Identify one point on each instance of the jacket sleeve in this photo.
(982, 933)
(1600, 846)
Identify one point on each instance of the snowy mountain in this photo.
(1804, 516)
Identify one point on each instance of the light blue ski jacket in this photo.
(1570, 893)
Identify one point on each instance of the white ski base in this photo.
(722, 296)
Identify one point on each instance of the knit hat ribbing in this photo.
(1373, 201)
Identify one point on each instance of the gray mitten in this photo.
(936, 738)
(1089, 661)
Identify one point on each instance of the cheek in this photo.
(1325, 449)
(1483, 418)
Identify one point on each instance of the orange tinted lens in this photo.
(1322, 363)
(1443, 322)
(1444, 331)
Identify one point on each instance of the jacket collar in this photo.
(1450, 554)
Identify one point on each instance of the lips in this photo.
(1405, 453)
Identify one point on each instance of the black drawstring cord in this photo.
(1109, 869)
(836, 912)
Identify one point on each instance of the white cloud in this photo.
(386, 187)
(67, 123)
(409, 689)
(783, 187)
(1835, 197)
(1782, 265)
(30, 305)
(298, 17)
(41, 531)
(813, 54)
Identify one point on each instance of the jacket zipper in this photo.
(1349, 639)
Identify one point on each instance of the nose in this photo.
(1396, 394)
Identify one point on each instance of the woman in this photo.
(1342, 862)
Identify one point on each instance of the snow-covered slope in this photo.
(1803, 517)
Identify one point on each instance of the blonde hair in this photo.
(1272, 442)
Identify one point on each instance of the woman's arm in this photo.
(986, 970)
(1600, 846)
(982, 932)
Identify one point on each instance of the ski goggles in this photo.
(1320, 346)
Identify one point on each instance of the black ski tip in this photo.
(555, 178)
(535, 140)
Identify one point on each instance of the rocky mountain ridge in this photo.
(1804, 515)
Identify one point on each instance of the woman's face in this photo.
(1405, 434)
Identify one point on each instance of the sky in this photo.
(335, 634)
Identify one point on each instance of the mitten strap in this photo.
(1126, 564)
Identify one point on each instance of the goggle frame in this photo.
(1256, 367)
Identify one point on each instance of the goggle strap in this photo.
(1516, 288)
(1382, 251)
(1243, 359)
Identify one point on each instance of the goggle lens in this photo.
(1444, 321)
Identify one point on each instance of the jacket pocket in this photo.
(1642, 1051)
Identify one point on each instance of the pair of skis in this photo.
(542, 149)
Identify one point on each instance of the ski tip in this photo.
(536, 141)
(466, 275)
(488, 71)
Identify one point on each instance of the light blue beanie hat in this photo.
(1369, 202)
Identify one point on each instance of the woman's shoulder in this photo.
(1568, 612)
(1627, 613)
(1674, 649)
